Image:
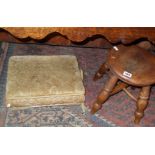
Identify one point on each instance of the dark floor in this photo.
(117, 111)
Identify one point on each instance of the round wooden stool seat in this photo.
(133, 65)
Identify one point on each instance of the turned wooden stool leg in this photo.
(142, 103)
(105, 93)
(103, 68)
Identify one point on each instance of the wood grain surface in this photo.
(124, 35)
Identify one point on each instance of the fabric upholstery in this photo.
(44, 80)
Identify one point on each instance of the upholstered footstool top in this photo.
(44, 80)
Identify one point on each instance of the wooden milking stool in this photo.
(127, 65)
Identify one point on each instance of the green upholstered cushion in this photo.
(44, 80)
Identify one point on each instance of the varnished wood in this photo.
(104, 94)
(129, 94)
(134, 60)
(56, 39)
(99, 74)
(146, 45)
(142, 103)
(133, 65)
(123, 35)
(120, 86)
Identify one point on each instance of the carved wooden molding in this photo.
(80, 34)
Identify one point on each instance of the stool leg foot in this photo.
(104, 94)
(142, 104)
(103, 68)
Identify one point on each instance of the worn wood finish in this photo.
(134, 66)
(134, 60)
(80, 34)
(57, 39)
(142, 103)
(104, 94)
(100, 72)
(120, 86)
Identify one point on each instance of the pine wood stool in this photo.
(127, 65)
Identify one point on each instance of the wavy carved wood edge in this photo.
(55, 38)
(77, 35)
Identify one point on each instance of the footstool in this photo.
(44, 80)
